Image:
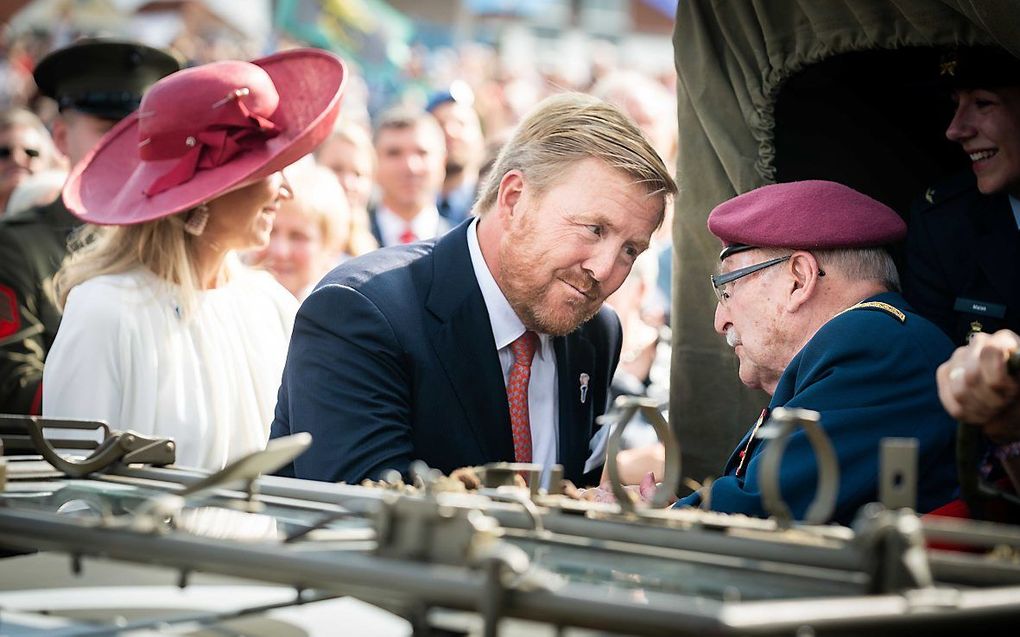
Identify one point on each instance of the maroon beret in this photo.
(804, 215)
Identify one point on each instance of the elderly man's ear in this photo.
(804, 272)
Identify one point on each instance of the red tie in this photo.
(408, 236)
(523, 350)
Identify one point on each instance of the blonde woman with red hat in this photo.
(164, 330)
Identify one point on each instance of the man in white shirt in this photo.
(410, 159)
(490, 343)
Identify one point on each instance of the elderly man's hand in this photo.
(642, 492)
(976, 388)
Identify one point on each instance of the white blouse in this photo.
(124, 355)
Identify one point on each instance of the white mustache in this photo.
(732, 338)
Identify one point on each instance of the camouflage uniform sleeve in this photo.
(22, 347)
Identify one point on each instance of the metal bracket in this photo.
(623, 411)
(894, 546)
(116, 446)
(154, 512)
(503, 474)
(897, 477)
(277, 453)
(780, 427)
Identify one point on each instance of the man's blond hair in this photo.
(568, 128)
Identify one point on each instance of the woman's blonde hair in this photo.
(162, 246)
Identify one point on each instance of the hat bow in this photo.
(231, 130)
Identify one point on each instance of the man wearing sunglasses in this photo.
(96, 83)
(26, 148)
(808, 299)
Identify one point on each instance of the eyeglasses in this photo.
(721, 280)
(7, 151)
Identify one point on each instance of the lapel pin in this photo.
(583, 379)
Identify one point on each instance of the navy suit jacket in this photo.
(870, 376)
(963, 259)
(392, 360)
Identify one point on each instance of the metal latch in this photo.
(25, 433)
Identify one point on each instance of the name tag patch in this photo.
(983, 308)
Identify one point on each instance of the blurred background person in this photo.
(640, 309)
(465, 149)
(647, 103)
(349, 153)
(26, 148)
(410, 165)
(95, 83)
(643, 368)
(164, 330)
(311, 231)
(653, 109)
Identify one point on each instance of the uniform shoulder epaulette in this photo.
(891, 310)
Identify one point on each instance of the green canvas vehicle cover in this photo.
(779, 90)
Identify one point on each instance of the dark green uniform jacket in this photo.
(32, 245)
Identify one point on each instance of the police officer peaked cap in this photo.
(105, 78)
(804, 215)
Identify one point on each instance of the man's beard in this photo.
(530, 304)
(540, 317)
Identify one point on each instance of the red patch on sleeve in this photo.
(10, 319)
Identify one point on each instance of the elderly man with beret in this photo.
(808, 299)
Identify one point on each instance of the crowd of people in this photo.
(232, 258)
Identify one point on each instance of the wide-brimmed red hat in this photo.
(205, 131)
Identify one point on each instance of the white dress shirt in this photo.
(543, 399)
(425, 225)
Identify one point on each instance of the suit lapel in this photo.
(462, 340)
(575, 356)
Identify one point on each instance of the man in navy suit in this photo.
(490, 343)
(410, 155)
(807, 299)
